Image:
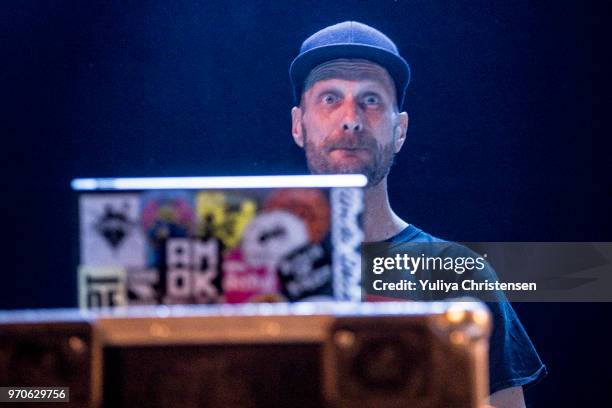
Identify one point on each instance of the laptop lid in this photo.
(201, 240)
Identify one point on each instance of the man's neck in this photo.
(379, 221)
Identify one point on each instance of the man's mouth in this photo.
(349, 149)
(342, 153)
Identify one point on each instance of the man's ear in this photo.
(296, 126)
(400, 130)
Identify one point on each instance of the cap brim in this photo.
(396, 66)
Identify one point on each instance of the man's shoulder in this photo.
(414, 234)
(430, 243)
(513, 359)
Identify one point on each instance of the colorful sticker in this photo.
(143, 286)
(271, 236)
(110, 233)
(102, 286)
(243, 282)
(310, 205)
(192, 271)
(165, 214)
(306, 272)
(347, 235)
(223, 216)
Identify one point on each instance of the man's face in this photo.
(350, 124)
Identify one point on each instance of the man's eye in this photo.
(329, 99)
(371, 100)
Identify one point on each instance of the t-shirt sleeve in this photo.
(513, 360)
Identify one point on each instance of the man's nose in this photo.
(352, 120)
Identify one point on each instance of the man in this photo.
(349, 82)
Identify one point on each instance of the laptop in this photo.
(211, 240)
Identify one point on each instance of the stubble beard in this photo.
(375, 169)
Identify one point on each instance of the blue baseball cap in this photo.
(349, 39)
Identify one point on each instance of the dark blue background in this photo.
(507, 138)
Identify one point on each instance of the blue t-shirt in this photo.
(513, 361)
